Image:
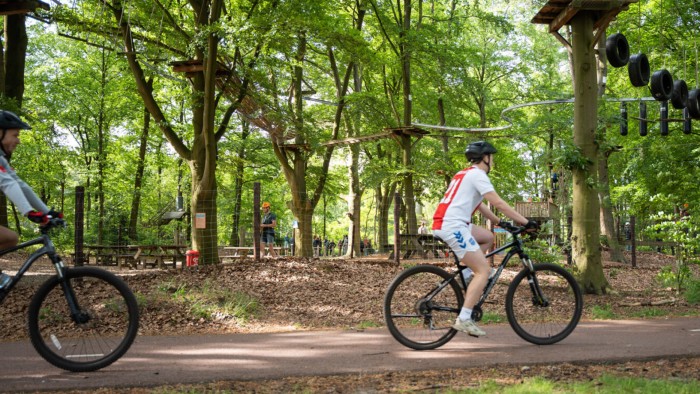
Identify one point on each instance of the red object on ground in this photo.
(192, 258)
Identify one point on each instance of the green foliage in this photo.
(649, 313)
(540, 251)
(571, 158)
(363, 325)
(471, 59)
(674, 275)
(683, 232)
(492, 317)
(211, 301)
(692, 293)
(602, 312)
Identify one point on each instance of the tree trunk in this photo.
(355, 202)
(101, 159)
(405, 141)
(585, 238)
(12, 78)
(294, 159)
(294, 162)
(606, 217)
(201, 157)
(138, 179)
(355, 188)
(239, 172)
(385, 197)
(15, 55)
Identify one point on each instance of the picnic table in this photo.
(415, 244)
(235, 252)
(158, 255)
(118, 255)
(134, 256)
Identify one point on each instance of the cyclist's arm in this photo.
(19, 192)
(498, 203)
(488, 214)
(13, 191)
(33, 199)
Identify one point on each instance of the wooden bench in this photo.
(115, 255)
(236, 252)
(159, 256)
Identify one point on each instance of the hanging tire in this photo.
(661, 85)
(694, 104)
(617, 50)
(679, 97)
(638, 70)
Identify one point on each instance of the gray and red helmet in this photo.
(9, 120)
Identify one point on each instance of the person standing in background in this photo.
(269, 222)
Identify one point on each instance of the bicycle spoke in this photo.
(549, 316)
(101, 331)
(418, 321)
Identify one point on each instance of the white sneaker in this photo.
(469, 327)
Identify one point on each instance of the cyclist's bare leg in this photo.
(483, 236)
(481, 267)
(8, 238)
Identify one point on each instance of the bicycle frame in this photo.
(48, 249)
(514, 247)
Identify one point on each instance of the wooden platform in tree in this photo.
(21, 7)
(540, 211)
(557, 13)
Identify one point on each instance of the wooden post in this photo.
(569, 253)
(256, 221)
(79, 226)
(493, 244)
(397, 228)
(634, 242)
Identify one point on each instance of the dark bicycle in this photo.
(543, 301)
(81, 319)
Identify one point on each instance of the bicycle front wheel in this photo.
(420, 307)
(544, 307)
(100, 334)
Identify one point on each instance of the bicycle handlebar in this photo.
(53, 223)
(515, 230)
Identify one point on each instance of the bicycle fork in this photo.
(78, 316)
(538, 297)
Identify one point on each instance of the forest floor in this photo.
(291, 294)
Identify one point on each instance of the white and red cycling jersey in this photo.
(462, 198)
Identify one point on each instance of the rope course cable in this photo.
(518, 106)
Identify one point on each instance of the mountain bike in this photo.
(81, 319)
(543, 302)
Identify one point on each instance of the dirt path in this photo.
(155, 361)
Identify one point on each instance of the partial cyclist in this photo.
(452, 223)
(24, 198)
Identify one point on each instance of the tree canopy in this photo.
(204, 98)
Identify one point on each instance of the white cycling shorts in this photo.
(459, 240)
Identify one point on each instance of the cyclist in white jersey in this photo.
(452, 223)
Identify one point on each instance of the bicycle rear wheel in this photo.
(100, 335)
(420, 307)
(548, 319)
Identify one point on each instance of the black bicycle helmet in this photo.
(9, 120)
(477, 150)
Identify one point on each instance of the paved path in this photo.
(169, 360)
